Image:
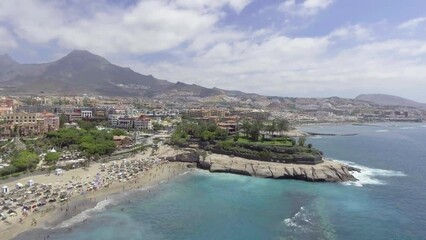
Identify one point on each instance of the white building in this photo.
(143, 123)
(86, 114)
(113, 119)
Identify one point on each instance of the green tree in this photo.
(23, 160)
(283, 125)
(157, 126)
(86, 125)
(52, 157)
(118, 132)
(302, 141)
(246, 125)
(254, 131)
(62, 120)
(271, 128)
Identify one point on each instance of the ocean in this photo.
(389, 201)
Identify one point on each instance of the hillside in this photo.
(81, 72)
(390, 100)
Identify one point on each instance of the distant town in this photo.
(28, 118)
(36, 115)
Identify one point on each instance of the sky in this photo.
(296, 48)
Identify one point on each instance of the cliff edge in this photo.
(328, 171)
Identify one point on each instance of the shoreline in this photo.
(175, 163)
(51, 215)
(327, 171)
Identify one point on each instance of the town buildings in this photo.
(25, 124)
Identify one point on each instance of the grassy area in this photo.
(275, 142)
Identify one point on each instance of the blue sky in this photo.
(302, 48)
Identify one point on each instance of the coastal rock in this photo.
(218, 168)
(240, 171)
(204, 163)
(188, 157)
(328, 171)
(263, 171)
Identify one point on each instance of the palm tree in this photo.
(272, 127)
(283, 125)
(246, 127)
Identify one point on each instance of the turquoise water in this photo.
(387, 203)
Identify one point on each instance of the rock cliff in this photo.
(328, 171)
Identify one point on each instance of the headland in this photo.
(53, 199)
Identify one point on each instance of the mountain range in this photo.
(82, 72)
(390, 100)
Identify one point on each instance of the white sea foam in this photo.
(370, 176)
(301, 220)
(184, 173)
(424, 126)
(100, 206)
(406, 128)
(382, 130)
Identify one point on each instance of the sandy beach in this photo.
(112, 181)
(84, 188)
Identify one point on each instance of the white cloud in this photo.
(310, 66)
(304, 7)
(356, 32)
(205, 50)
(146, 27)
(236, 5)
(7, 41)
(412, 23)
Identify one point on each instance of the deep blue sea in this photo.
(389, 201)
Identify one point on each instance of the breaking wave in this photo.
(382, 130)
(370, 176)
(100, 206)
(302, 220)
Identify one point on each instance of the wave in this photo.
(184, 173)
(370, 176)
(302, 220)
(406, 128)
(424, 126)
(100, 206)
(382, 130)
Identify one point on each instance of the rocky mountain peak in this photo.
(82, 57)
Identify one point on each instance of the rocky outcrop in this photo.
(191, 157)
(328, 171)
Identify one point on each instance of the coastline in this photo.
(53, 214)
(327, 171)
(178, 161)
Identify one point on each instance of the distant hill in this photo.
(390, 100)
(82, 72)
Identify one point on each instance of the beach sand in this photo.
(53, 214)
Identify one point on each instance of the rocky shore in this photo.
(328, 171)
